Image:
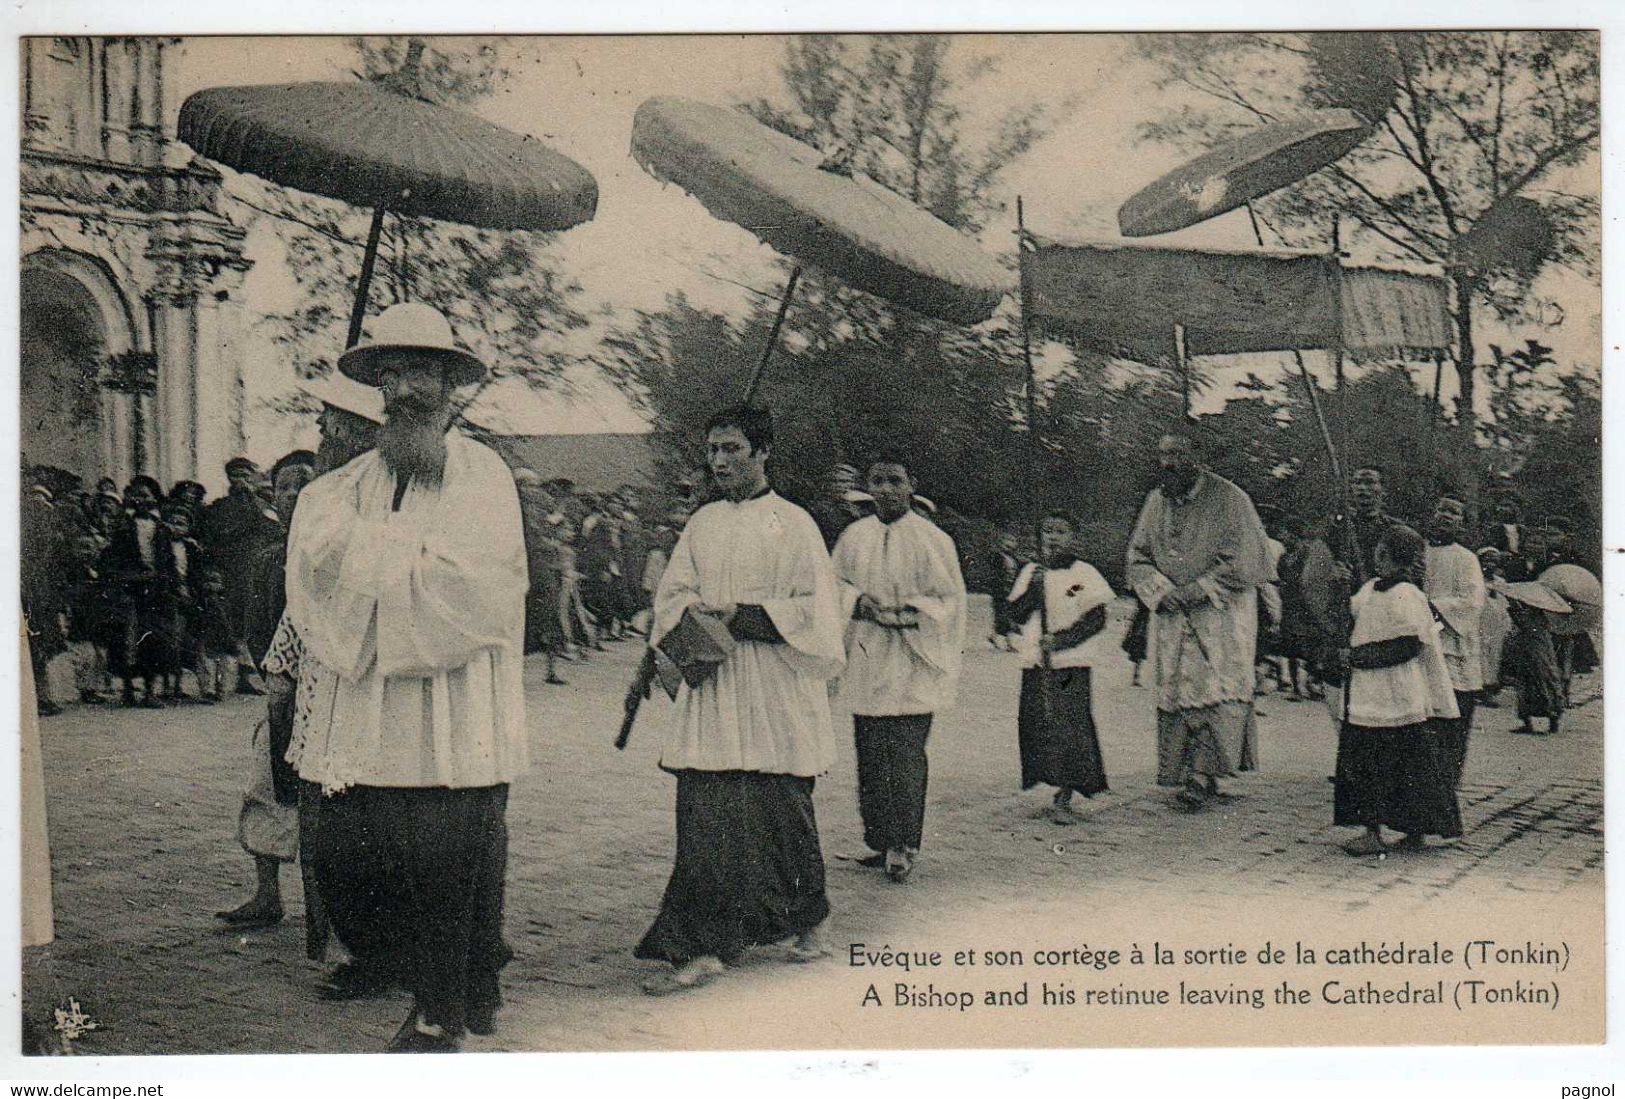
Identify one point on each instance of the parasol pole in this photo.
(1325, 430)
(773, 335)
(1438, 383)
(1182, 359)
(1337, 257)
(1036, 444)
(369, 260)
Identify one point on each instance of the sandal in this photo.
(1194, 796)
(410, 1039)
(691, 975)
(1367, 844)
(354, 980)
(249, 916)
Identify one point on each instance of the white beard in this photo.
(413, 444)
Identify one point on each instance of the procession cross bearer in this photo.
(1196, 559)
(747, 743)
(904, 596)
(406, 581)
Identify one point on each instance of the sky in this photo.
(649, 240)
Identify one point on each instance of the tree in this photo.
(1459, 172)
(504, 295)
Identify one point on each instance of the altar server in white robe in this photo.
(903, 597)
(747, 744)
(1059, 604)
(406, 582)
(1455, 587)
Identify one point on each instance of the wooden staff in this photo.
(1035, 443)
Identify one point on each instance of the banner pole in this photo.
(1036, 447)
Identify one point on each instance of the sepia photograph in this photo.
(883, 541)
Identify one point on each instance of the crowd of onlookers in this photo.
(149, 588)
(595, 561)
(143, 585)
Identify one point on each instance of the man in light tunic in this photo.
(1455, 587)
(748, 742)
(902, 591)
(350, 415)
(1196, 558)
(406, 583)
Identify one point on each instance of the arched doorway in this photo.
(72, 319)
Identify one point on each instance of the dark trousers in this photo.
(749, 868)
(413, 879)
(892, 775)
(1397, 777)
(1453, 734)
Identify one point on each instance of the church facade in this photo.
(130, 274)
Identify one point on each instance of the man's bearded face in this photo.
(1176, 465)
(417, 412)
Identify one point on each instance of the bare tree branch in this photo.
(1396, 241)
(1387, 208)
(338, 238)
(1546, 159)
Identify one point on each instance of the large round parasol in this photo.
(809, 206)
(1582, 591)
(380, 145)
(1235, 172)
(1538, 595)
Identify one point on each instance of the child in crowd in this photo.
(1390, 767)
(90, 617)
(179, 561)
(216, 651)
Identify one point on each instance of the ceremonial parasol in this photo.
(815, 209)
(1582, 591)
(1538, 595)
(1235, 172)
(380, 144)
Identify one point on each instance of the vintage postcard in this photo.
(810, 542)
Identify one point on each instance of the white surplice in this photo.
(1069, 594)
(1402, 694)
(1455, 587)
(766, 708)
(415, 619)
(906, 563)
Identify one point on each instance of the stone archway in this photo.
(73, 318)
